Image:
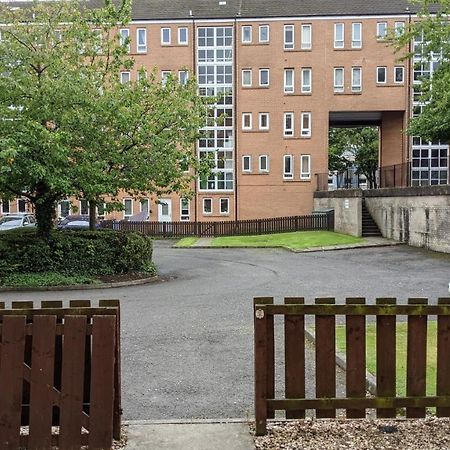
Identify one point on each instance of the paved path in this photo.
(187, 342)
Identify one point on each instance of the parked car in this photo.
(19, 220)
(75, 222)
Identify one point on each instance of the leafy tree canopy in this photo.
(68, 126)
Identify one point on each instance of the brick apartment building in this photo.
(289, 70)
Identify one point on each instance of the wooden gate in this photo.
(356, 402)
(59, 375)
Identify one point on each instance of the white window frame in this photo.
(141, 48)
(243, 77)
(264, 41)
(185, 217)
(243, 30)
(246, 161)
(165, 74)
(248, 115)
(124, 33)
(305, 174)
(227, 212)
(402, 68)
(141, 202)
(261, 157)
(356, 43)
(19, 202)
(306, 45)
(340, 87)
(382, 37)
(385, 75)
(305, 88)
(339, 43)
(181, 42)
(125, 200)
(268, 77)
(399, 28)
(288, 175)
(163, 42)
(356, 88)
(141, 75)
(289, 88)
(267, 115)
(288, 132)
(122, 74)
(180, 74)
(289, 45)
(305, 131)
(207, 213)
(3, 203)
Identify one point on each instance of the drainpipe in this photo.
(194, 70)
(235, 128)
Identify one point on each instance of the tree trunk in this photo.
(45, 215)
(92, 214)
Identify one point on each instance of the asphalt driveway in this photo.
(187, 341)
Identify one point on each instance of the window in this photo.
(22, 205)
(127, 207)
(64, 208)
(246, 163)
(125, 77)
(381, 75)
(306, 124)
(5, 206)
(288, 80)
(263, 163)
(124, 37)
(338, 35)
(145, 206)
(141, 38)
(399, 74)
(247, 34)
(224, 206)
(356, 35)
(207, 206)
(338, 79)
(84, 207)
(264, 33)
(263, 121)
(289, 124)
(356, 79)
(184, 209)
(305, 167)
(182, 36)
(247, 78)
(287, 166)
(288, 37)
(183, 76)
(381, 30)
(264, 77)
(246, 121)
(399, 28)
(165, 75)
(101, 211)
(306, 81)
(165, 36)
(306, 41)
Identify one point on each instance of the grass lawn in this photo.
(401, 353)
(296, 240)
(186, 242)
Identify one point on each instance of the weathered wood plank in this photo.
(443, 358)
(294, 348)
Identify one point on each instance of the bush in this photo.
(101, 252)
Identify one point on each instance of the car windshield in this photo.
(10, 221)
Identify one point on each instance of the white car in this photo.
(11, 221)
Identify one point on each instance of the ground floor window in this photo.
(128, 207)
(429, 164)
(5, 206)
(224, 206)
(21, 205)
(184, 209)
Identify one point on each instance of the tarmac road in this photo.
(187, 341)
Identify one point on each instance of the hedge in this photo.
(102, 252)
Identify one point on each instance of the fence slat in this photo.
(41, 383)
(102, 383)
(294, 347)
(72, 380)
(443, 358)
(416, 358)
(11, 381)
(325, 357)
(356, 357)
(386, 352)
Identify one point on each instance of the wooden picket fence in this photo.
(320, 221)
(356, 402)
(59, 375)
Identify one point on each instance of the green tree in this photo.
(362, 144)
(69, 127)
(429, 38)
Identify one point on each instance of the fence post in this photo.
(331, 220)
(443, 361)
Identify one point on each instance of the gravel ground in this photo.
(424, 434)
